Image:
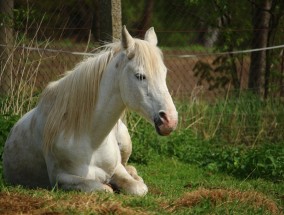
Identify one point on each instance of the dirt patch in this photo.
(219, 196)
(12, 203)
(18, 203)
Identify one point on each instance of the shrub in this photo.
(241, 136)
(6, 123)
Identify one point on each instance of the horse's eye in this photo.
(140, 76)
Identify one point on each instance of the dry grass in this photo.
(14, 203)
(19, 203)
(75, 203)
(223, 196)
(19, 73)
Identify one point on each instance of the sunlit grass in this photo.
(174, 187)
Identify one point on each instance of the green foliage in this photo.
(221, 73)
(263, 161)
(198, 155)
(238, 119)
(240, 136)
(170, 183)
(6, 123)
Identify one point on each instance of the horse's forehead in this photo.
(151, 60)
(155, 68)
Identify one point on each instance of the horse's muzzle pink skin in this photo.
(165, 123)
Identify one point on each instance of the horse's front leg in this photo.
(73, 182)
(125, 146)
(133, 172)
(126, 183)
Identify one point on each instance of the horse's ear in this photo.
(151, 36)
(127, 42)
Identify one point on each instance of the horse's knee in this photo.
(125, 153)
(133, 172)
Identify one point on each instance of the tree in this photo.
(264, 65)
(260, 38)
(281, 82)
(272, 56)
(144, 22)
(224, 21)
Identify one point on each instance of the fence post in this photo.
(110, 20)
(6, 42)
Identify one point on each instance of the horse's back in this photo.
(23, 160)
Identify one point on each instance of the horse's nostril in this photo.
(163, 115)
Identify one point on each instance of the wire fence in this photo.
(207, 47)
(211, 51)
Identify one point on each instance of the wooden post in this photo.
(110, 20)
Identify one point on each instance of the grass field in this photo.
(174, 188)
(225, 158)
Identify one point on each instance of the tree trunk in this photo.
(145, 20)
(6, 42)
(96, 21)
(282, 74)
(110, 20)
(261, 20)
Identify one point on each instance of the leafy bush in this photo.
(6, 123)
(241, 136)
(265, 161)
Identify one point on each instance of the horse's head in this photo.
(143, 82)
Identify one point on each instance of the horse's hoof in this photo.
(107, 188)
(137, 189)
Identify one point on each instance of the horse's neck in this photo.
(108, 109)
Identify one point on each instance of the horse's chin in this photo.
(162, 130)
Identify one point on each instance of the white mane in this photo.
(71, 100)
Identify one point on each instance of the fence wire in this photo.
(192, 34)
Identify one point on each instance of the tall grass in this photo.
(241, 135)
(243, 119)
(18, 73)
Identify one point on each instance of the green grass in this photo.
(226, 157)
(242, 137)
(171, 179)
(169, 182)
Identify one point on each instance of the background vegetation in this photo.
(224, 157)
(227, 155)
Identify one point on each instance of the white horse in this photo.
(74, 138)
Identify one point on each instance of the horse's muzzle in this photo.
(165, 125)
